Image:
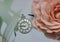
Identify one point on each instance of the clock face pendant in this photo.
(24, 25)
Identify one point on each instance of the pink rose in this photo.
(47, 17)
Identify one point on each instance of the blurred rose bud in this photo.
(47, 17)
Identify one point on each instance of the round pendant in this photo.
(24, 26)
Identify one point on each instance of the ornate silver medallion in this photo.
(24, 25)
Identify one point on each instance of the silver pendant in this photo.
(24, 25)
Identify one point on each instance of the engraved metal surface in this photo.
(24, 25)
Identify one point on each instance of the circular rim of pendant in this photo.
(28, 29)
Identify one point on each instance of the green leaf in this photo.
(10, 28)
(11, 21)
(0, 24)
(4, 9)
(8, 2)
